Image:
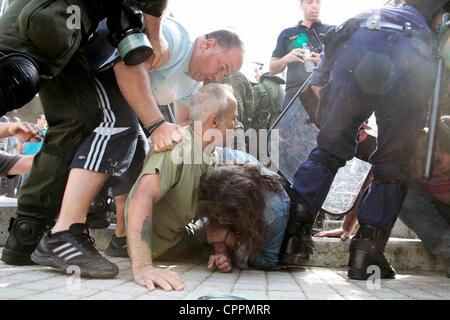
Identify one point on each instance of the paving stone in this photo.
(47, 284)
(36, 282)
(34, 275)
(130, 287)
(250, 285)
(102, 284)
(8, 282)
(49, 296)
(324, 296)
(250, 294)
(415, 294)
(77, 293)
(280, 295)
(283, 286)
(14, 293)
(114, 295)
(200, 292)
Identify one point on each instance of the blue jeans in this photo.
(430, 221)
(277, 215)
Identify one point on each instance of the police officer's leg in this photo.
(71, 108)
(341, 114)
(401, 113)
(36, 40)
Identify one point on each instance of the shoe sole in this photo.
(50, 261)
(11, 257)
(357, 274)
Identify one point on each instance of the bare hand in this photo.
(315, 57)
(150, 277)
(165, 137)
(316, 91)
(362, 134)
(161, 54)
(27, 132)
(296, 55)
(336, 233)
(221, 261)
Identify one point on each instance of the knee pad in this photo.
(27, 231)
(19, 81)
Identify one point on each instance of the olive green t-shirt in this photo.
(179, 177)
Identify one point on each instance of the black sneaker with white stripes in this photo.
(73, 248)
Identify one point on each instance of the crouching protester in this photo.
(247, 211)
(164, 200)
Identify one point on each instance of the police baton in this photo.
(434, 114)
(289, 105)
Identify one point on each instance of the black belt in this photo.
(374, 22)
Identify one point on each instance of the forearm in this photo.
(22, 166)
(5, 130)
(153, 25)
(134, 84)
(277, 65)
(350, 222)
(139, 231)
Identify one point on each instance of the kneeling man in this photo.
(164, 199)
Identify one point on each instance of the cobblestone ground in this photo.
(34, 282)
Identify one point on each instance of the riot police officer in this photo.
(380, 61)
(42, 50)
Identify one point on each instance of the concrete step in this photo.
(400, 230)
(404, 254)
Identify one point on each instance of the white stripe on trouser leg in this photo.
(62, 254)
(105, 122)
(100, 140)
(61, 247)
(76, 254)
(111, 113)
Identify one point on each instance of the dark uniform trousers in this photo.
(381, 71)
(38, 28)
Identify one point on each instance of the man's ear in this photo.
(209, 43)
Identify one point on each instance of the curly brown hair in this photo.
(236, 194)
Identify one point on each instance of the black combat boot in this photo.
(117, 247)
(97, 217)
(298, 245)
(24, 235)
(366, 250)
